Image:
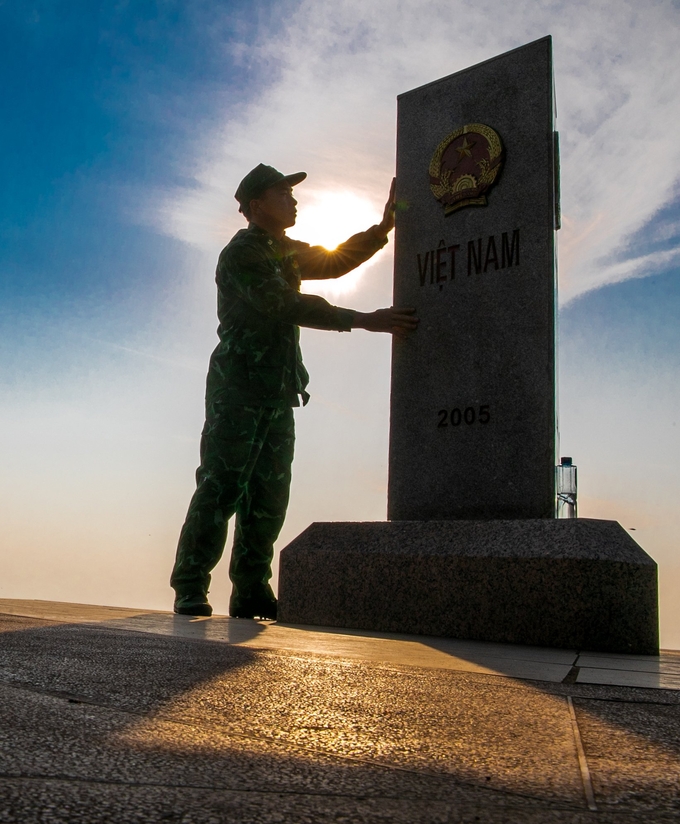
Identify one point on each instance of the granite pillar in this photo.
(472, 419)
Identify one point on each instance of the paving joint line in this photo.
(582, 760)
(68, 779)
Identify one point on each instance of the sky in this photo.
(124, 131)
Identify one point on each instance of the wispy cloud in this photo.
(174, 363)
(337, 67)
(668, 231)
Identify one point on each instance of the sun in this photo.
(327, 219)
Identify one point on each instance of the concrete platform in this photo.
(131, 715)
(556, 583)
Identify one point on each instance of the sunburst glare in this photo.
(327, 219)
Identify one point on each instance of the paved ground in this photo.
(131, 716)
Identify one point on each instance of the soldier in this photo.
(255, 378)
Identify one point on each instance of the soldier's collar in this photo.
(259, 232)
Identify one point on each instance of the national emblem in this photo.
(462, 171)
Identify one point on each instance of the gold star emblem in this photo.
(464, 149)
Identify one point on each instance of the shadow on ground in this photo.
(98, 725)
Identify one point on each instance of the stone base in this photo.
(580, 584)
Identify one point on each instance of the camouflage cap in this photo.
(259, 179)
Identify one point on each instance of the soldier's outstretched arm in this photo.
(247, 273)
(249, 276)
(398, 322)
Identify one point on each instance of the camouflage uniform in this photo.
(256, 376)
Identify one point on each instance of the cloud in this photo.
(665, 230)
(329, 107)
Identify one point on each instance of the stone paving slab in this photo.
(529, 663)
(666, 665)
(99, 723)
(628, 678)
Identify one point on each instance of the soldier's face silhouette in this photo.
(275, 209)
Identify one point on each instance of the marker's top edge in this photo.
(547, 38)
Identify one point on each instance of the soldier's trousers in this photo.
(246, 457)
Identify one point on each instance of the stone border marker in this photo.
(472, 549)
(472, 425)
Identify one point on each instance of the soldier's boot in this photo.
(257, 601)
(192, 604)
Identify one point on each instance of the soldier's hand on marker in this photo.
(398, 322)
(387, 223)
